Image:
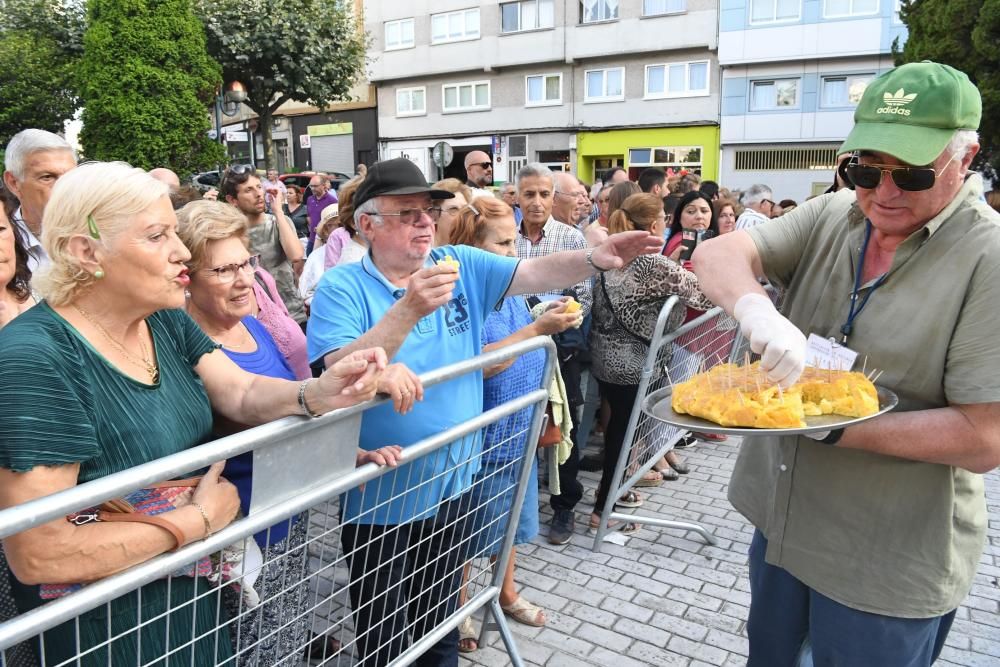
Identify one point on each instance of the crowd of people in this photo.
(140, 319)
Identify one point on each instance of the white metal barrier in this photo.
(675, 356)
(332, 592)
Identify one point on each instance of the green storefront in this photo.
(693, 148)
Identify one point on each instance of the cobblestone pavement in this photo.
(668, 600)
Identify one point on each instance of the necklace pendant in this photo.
(154, 373)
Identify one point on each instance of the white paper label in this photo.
(825, 353)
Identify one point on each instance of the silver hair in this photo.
(755, 194)
(370, 207)
(564, 182)
(29, 141)
(534, 170)
(960, 143)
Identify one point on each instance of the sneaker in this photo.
(561, 526)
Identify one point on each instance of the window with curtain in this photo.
(773, 11)
(592, 11)
(677, 79)
(543, 90)
(398, 34)
(455, 26)
(657, 7)
(526, 15)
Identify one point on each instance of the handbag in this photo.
(149, 505)
(551, 433)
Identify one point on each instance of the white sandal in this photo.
(523, 611)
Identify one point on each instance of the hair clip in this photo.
(474, 209)
(95, 233)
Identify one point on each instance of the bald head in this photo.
(166, 176)
(567, 191)
(479, 169)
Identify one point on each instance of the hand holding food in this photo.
(781, 346)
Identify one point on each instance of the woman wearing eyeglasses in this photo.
(220, 301)
(107, 373)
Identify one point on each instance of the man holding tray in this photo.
(868, 537)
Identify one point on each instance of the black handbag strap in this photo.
(618, 320)
(260, 281)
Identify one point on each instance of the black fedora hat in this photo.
(398, 176)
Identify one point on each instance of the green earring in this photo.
(99, 274)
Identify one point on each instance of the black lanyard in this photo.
(855, 308)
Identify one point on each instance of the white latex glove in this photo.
(781, 346)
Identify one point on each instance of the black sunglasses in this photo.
(910, 179)
(482, 165)
(240, 169)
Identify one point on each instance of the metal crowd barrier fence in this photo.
(362, 591)
(673, 356)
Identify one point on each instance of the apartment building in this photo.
(792, 73)
(580, 85)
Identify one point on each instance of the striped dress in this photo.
(61, 402)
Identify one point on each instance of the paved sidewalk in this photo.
(668, 600)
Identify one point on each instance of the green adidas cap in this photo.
(912, 112)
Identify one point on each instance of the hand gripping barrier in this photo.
(321, 589)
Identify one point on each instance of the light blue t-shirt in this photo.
(349, 300)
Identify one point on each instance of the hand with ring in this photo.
(402, 385)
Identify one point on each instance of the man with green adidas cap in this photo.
(868, 537)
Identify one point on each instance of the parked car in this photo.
(207, 180)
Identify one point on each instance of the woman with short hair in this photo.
(450, 208)
(109, 373)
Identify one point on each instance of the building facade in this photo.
(578, 85)
(792, 74)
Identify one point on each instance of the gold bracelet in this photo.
(204, 517)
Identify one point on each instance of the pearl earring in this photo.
(98, 274)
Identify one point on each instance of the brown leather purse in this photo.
(551, 433)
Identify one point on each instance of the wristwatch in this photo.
(833, 437)
(590, 261)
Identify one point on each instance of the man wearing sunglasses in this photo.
(479, 173)
(868, 537)
(426, 315)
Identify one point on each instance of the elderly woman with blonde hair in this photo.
(450, 208)
(108, 373)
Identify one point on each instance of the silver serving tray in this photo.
(657, 405)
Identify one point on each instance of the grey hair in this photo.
(755, 194)
(564, 182)
(29, 141)
(534, 170)
(370, 208)
(960, 143)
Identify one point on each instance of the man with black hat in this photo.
(425, 315)
(868, 537)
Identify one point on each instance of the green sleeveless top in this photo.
(62, 402)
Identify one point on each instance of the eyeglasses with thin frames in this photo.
(411, 216)
(227, 272)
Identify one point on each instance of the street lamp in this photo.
(227, 103)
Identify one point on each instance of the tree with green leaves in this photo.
(41, 42)
(147, 84)
(966, 35)
(305, 50)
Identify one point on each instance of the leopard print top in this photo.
(637, 292)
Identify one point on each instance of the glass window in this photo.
(771, 11)
(776, 94)
(837, 8)
(526, 15)
(398, 34)
(657, 7)
(592, 11)
(411, 101)
(604, 85)
(677, 79)
(844, 91)
(455, 26)
(667, 157)
(467, 96)
(639, 155)
(543, 89)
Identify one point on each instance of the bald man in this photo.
(166, 176)
(479, 173)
